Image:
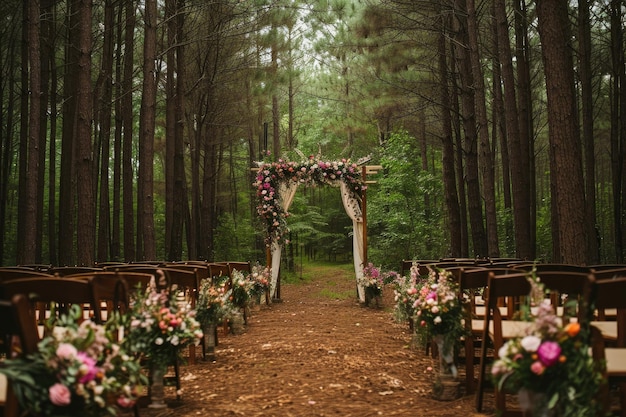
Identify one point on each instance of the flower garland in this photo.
(310, 172)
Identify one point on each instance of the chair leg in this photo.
(177, 376)
(469, 364)
(481, 375)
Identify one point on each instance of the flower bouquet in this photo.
(405, 295)
(79, 370)
(242, 287)
(212, 307)
(551, 365)
(372, 282)
(439, 314)
(160, 325)
(213, 303)
(262, 279)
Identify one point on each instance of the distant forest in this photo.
(130, 130)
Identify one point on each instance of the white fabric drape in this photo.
(353, 209)
(286, 192)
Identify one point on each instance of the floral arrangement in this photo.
(213, 303)
(372, 280)
(242, 287)
(552, 359)
(160, 324)
(437, 306)
(78, 370)
(311, 171)
(261, 277)
(405, 295)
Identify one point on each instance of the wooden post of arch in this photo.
(365, 170)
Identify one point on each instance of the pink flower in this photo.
(66, 351)
(60, 394)
(549, 353)
(88, 368)
(125, 402)
(537, 368)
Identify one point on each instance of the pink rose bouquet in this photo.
(79, 370)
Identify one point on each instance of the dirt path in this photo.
(316, 353)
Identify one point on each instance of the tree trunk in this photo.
(85, 236)
(470, 147)
(67, 185)
(618, 111)
(564, 134)
(146, 249)
(525, 122)
(458, 160)
(450, 190)
(519, 177)
(500, 136)
(128, 176)
(586, 75)
(485, 156)
(30, 216)
(104, 117)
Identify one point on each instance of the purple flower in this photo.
(549, 353)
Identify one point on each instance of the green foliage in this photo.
(400, 223)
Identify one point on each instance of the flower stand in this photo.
(372, 296)
(446, 386)
(209, 331)
(157, 388)
(533, 403)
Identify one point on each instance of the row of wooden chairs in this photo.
(488, 321)
(498, 324)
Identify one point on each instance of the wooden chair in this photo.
(19, 337)
(497, 330)
(601, 267)
(62, 292)
(472, 292)
(576, 285)
(548, 267)
(63, 271)
(16, 273)
(612, 294)
(110, 292)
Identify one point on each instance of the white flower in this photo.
(437, 320)
(158, 341)
(531, 343)
(435, 309)
(175, 340)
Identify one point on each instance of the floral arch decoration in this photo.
(276, 184)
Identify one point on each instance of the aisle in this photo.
(316, 353)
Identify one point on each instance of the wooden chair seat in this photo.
(615, 362)
(611, 293)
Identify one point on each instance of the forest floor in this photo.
(317, 352)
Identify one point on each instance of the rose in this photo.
(60, 394)
(88, 368)
(549, 353)
(66, 351)
(531, 343)
(537, 368)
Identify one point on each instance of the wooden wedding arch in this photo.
(276, 184)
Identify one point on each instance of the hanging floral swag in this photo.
(309, 172)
